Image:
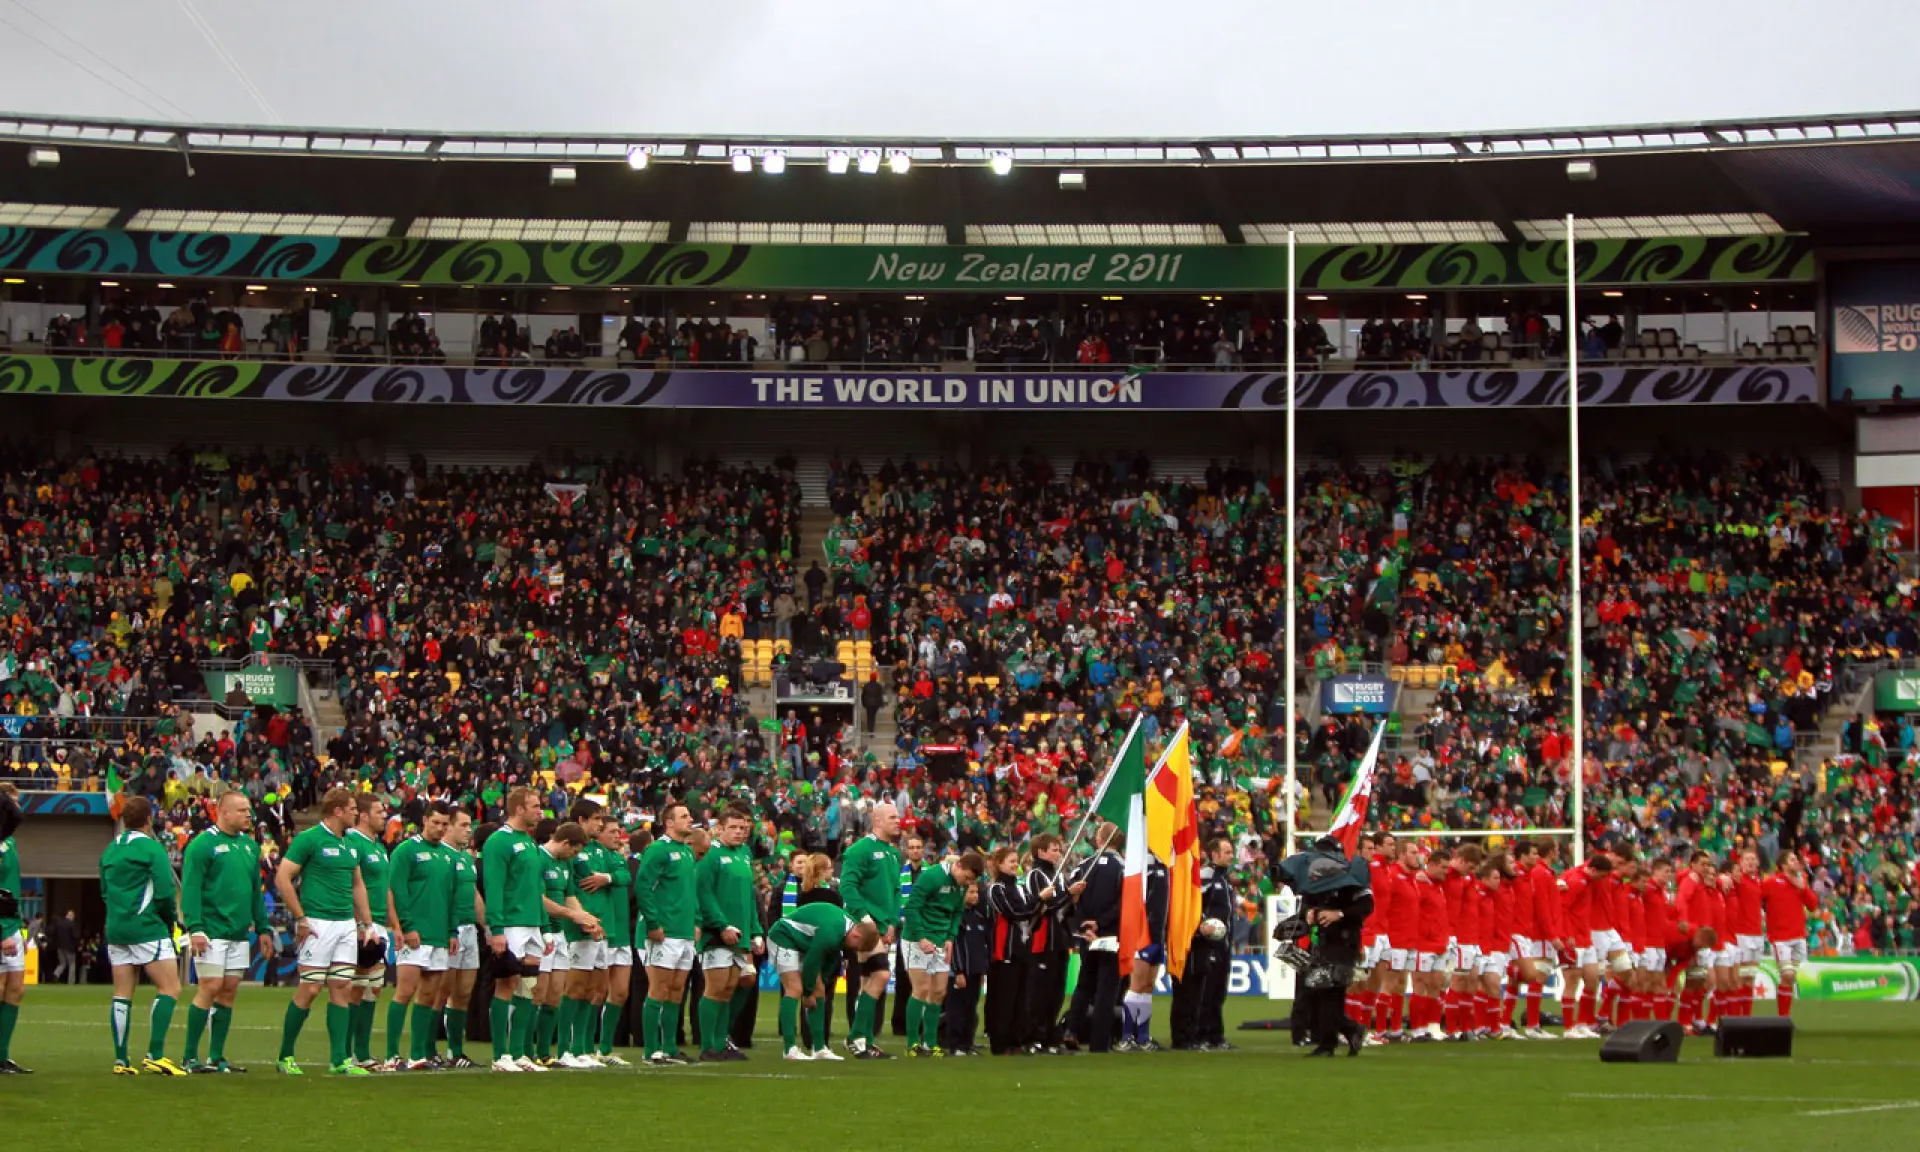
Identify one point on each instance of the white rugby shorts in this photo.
(427, 958)
(223, 958)
(1790, 953)
(330, 943)
(621, 957)
(673, 954)
(554, 959)
(785, 960)
(725, 956)
(1750, 949)
(1431, 962)
(1494, 963)
(140, 955)
(1653, 960)
(18, 961)
(1401, 959)
(525, 943)
(464, 956)
(586, 955)
(933, 963)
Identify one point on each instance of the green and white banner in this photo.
(276, 686)
(1850, 978)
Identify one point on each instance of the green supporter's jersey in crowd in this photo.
(220, 892)
(870, 881)
(136, 878)
(466, 879)
(327, 866)
(591, 859)
(724, 881)
(817, 931)
(374, 868)
(666, 888)
(510, 881)
(10, 880)
(422, 883)
(556, 884)
(934, 909)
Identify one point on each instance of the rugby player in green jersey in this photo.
(320, 886)
(370, 974)
(421, 887)
(932, 924)
(870, 885)
(224, 911)
(586, 977)
(13, 936)
(562, 902)
(469, 926)
(804, 943)
(136, 877)
(516, 923)
(730, 932)
(668, 903)
(618, 923)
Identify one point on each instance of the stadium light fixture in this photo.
(773, 161)
(869, 162)
(838, 161)
(637, 157)
(1416, 295)
(1582, 171)
(900, 162)
(109, 283)
(43, 158)
(15, 280)
(164, 284)
(562, 175)
(1316, 297)
(1001, 163)
(1073, 181)
(1613, 293)
(256, 287)
(743, 161)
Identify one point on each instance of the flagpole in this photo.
(1100, 793)
(1576, 653)
(1292, 738)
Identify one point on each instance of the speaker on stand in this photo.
(1643, 1042)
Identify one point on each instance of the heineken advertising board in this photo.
(1105, 270)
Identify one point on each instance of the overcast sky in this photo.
(1000, 68)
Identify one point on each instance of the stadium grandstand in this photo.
(816, 474)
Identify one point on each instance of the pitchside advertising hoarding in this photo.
(1874, 326)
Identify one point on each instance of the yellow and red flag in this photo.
(1173, 835)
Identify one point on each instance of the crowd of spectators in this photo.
(581, 624)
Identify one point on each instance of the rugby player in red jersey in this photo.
(1787, 898)
(1463, 952)
(1431, 944)
(1404, 930)
(1633, 1001)
(1548, 931)
(1580, 972)
(1496, 945)
(1656, 912)
(1609, 949)
(1699, 907)
(1364, 1000)
(1745, 919)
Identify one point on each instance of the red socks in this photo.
(1583, 1011)
(1783, 1000)
(1533, 1005)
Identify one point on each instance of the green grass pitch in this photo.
(1853, 1083)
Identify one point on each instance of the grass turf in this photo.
(1851, 1084)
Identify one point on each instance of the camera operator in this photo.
(1335, 903)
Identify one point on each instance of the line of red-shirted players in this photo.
(1461, 942)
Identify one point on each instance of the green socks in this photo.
(363, 1014)
(396, 1026)
(296, 1019)
(159, 1019)
(789, 1023)
(522, 1025)
(863, 1010)
(569, 1011)
(930, 1025)
(650, 1027)
(817, 1022)
(9, 1016)
(339, 1033)
(660, 1021)
(423, 1034)
(456, 1032)
(546, 1023)
(743, 994)
(222, 1020)
(196, 1027)
(122, 1012)
(499, 1026)
(609, 1022)
(713, 1025)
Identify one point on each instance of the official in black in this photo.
(960, 1011)
(1009, 952)
(1096, 995)
(1335, 907)
(1200, 997)
(1050, 943)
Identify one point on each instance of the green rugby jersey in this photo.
(817, 931)
(220, 893)
(619, 897)
(423, 890)
(934, 909)
(870, 881)
(10, 880)
(598, 903)
(466, 879)
(374, 869)
(136, 878)
(724, 883)
(327, 866)
(556, 883)
(510, 879)
(666, 888)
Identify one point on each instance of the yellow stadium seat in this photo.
(782, 646)
(1397, 674)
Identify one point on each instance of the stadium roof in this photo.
(1841, 177)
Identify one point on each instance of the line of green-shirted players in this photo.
(551, 911)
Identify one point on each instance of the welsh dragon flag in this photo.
(1352, 812)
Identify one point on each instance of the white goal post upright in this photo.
(1576, 671)
(1292, 672)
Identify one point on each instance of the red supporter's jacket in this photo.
(1435, 927)
(1743, 907)
(1787, 907)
